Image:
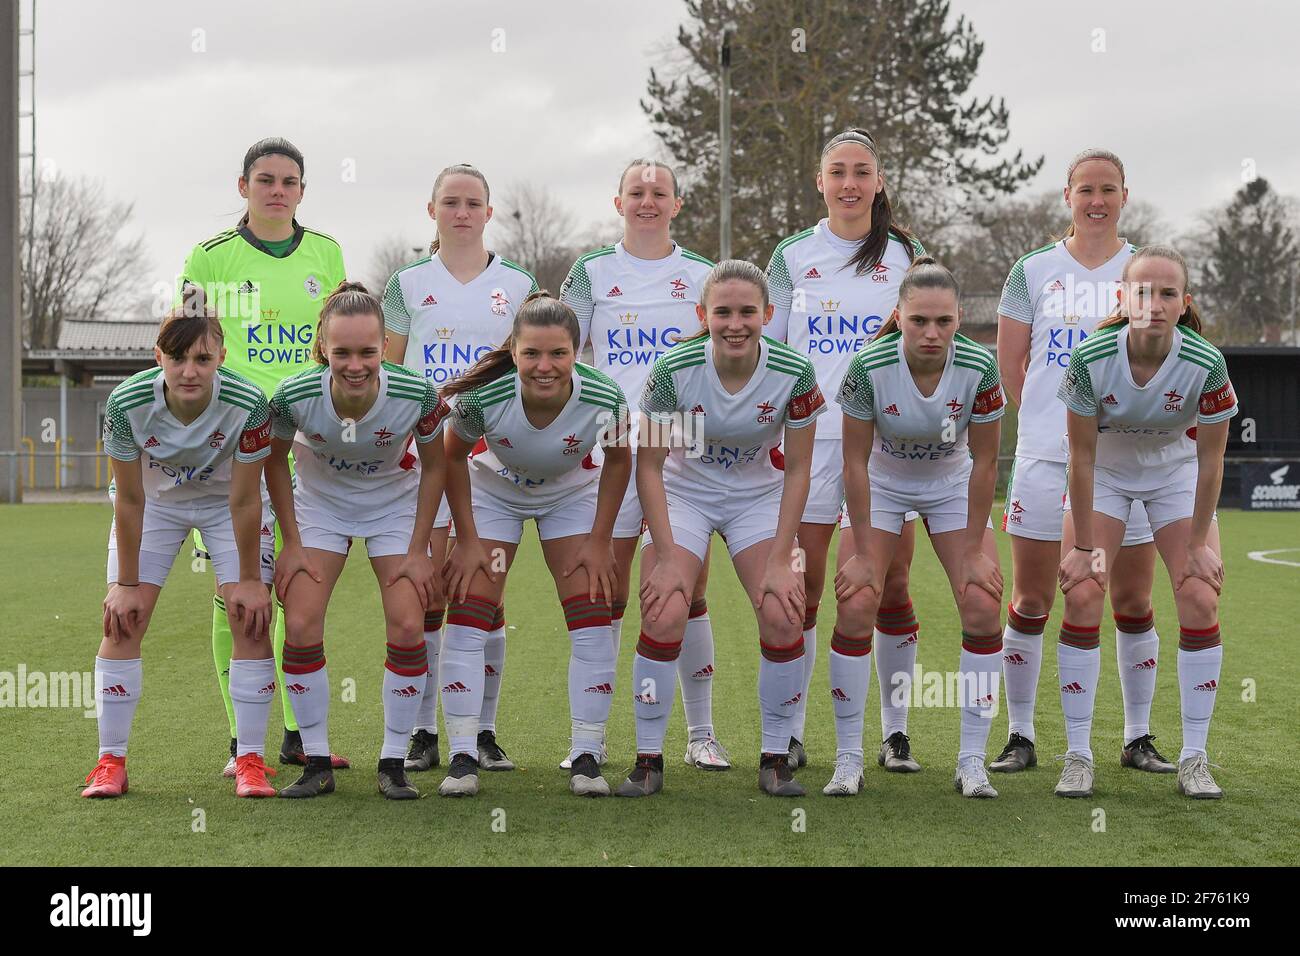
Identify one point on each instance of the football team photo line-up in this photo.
(431, 419)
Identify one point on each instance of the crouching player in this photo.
(925, 401)
(1149, 402)
(532, 414)
(743, 394)
(348, 423)
(186, 441)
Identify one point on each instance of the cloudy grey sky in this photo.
(160, 98)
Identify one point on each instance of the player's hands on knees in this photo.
(467, 558)
(597, 557)
(419, 570)
(1201, 563)
(857, 573)
(250, 604)
(783, 582)
(665, 579)
(1077, 567)
(981, 571)
(123, 613)
(291, 561)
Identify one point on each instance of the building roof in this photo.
(136, 337)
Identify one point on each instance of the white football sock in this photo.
(695, 673)
(1022, 661)
(850, 669)
(653, 689)
(780, 688)
(1198, 684)
(252, 689)
(1137, 652)
(460, 671)
(1079, 669)
(117, 691)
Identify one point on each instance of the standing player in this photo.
(833, 285)
(536, 413)
(1149, 402)
(443, 313)
(635, 300)
(186, 441)
(926, 401)
(1053, 299)
(733, 396)
(348, 423)
(267, 278)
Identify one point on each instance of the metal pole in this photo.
(11, 337)
(63, 419)
(724, 142)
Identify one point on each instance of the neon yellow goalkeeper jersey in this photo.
(268, 305)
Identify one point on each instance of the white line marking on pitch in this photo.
(1264, 556)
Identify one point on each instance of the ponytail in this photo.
(1191, 317)
(350, 298)
(871, 250)
(540, 309)
(925, 272)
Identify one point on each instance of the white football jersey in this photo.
(1148, 430)
(824, 309)
(451, 325)
(184, 462)
(920, 442)
(1063, 302)
(356, 467)
(634, 310)
(526, 465)
(735, 451)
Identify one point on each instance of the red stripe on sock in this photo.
(407, 661)
(616, 611)
(981, 643)
(698, 608)
(475, 612)
(850, 646)
(303, 659)
(1135, 625)
(580, 611)
(1199, 639)
(1025, 623)
(652, 650)
(1084, 639)
(782, 655)
(433, 620)
(809, 617)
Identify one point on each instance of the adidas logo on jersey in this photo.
(455, 687)
(793, 700)
(1073, 688)
(295, 688)
(892, 410)
(266, 532)
(1208, 685)
(505, 442)
(117, 690)
(1110, 399)
(704, 673)
(812, 273)
(247, 287)
(317, 436)
(1147, 665)
(152, 442)
(216, 438)
(613, 292)
(698, 410)
(408, 691)
(429, 300)
(1173, 401)
(599, 689)
(839, 695)
(1056, 286)
(268, 689)
(1013, 659)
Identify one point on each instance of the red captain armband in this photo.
(254, 440)
(1217, 401)
(988, 401)
(427, 425)
(801, 406)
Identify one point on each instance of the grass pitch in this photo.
(52, 583)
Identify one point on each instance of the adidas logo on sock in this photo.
(911, 639)
(793, 700)
(1147, 665)
(985, 701)
(645, 699)
(1013, 659)
(599, 689)
(489, 671)
(1073, 688)
(407, 691)
(455, 687)
(839, 695)
(117, 690)
(1208, 685)
(268, 689)
(704, 673)
(295, 688)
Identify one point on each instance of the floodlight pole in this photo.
(724, 141)
(11, 338)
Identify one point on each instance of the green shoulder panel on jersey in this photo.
(532, 279)
(787, 361)
(791, 240)
(402, 371)
(236, 390)
(304, 384)
(696, 257)
(1099, 345)
(968, 353)
(1198, 350)
(136, 390)
(774, 346)
(494, 392)
(322, 235)
(917, 248)
(209, 244)
(683, 355)
(595, 254)
(1034, 252)
(879, 352)
(411, 265)
(595, 376)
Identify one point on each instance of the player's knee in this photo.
(1032, 602)
(857, 613)
(671, 624)
(1083, 602)
(406, 630)
(775, 628)
(1198, 603)
(894, 592)
(1129, 602)
(302, 626)
(979, 611)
